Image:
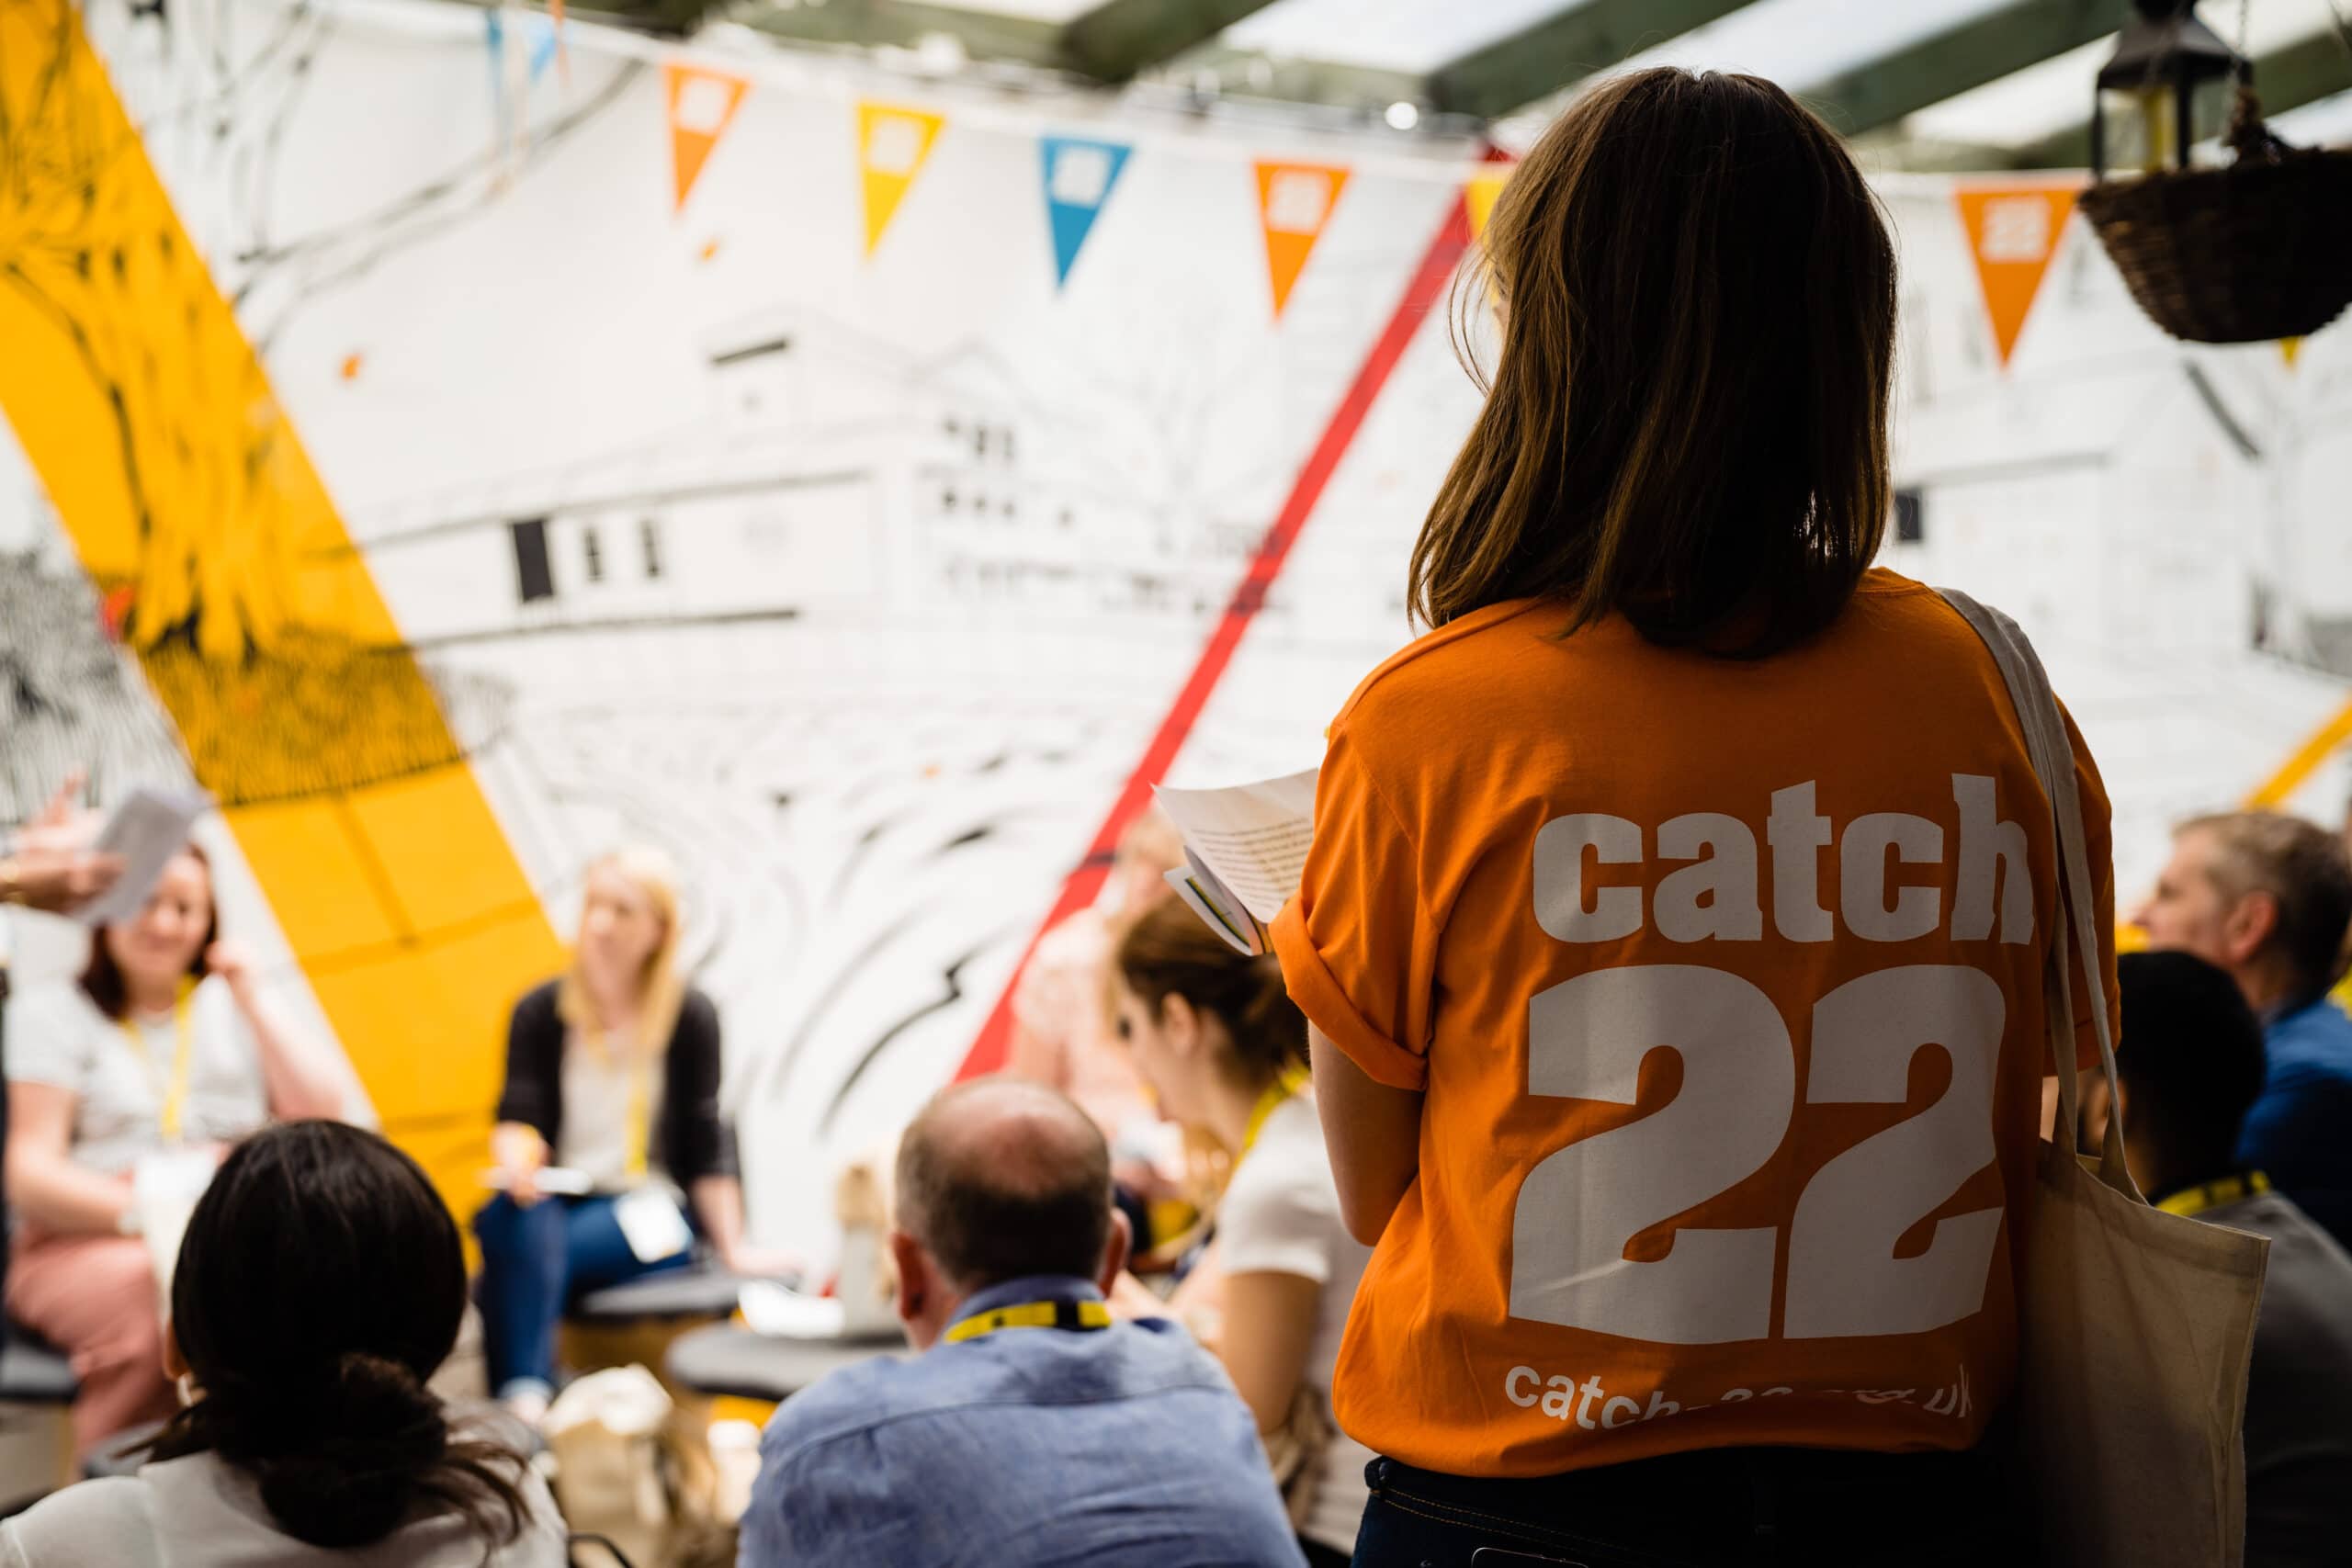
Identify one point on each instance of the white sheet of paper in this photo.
(651, 1225)
(165, 1187)
(1254, 836)
(770, 1310)
(560, 1179)
(146, 831)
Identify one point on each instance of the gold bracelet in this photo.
(11, 884)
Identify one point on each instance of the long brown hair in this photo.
(101, 978)
(1687, 421)
(1169, 952)
(655, 876)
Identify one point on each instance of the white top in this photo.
(56, 1035)
(198, 1512)
(598, 1080)
(1280, 1215)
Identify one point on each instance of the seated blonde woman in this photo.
(611, 1074)
(165, 1045)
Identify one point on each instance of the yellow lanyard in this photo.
(171, 1092)
(1080, 1316)
(641, 1111)
(2212, 1194)
(1290, 1084)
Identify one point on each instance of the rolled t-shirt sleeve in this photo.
(49, 1037)
(1355, 945)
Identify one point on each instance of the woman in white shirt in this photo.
(163, 1053)
(1224, 1048)
(319, 1284)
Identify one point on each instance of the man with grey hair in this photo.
(2267, 898)
(1033, 1427)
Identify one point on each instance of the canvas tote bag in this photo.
(2136, 1326)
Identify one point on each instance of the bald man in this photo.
(1033, 1429)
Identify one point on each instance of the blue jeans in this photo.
(1712, 1508)
(533, 1262)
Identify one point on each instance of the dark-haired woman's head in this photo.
(1687, 419)
(320, 1282)
(1197, 1014)
(162, 944)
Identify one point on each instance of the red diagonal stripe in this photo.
(1079, 890)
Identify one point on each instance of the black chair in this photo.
(693, 1292)
(33, 1371)
(725, 1359)
(121, 1454)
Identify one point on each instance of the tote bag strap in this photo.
(2076, 937)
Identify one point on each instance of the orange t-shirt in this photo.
(1724, 984)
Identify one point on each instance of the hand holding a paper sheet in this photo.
(520, 1152)
(1245, 848)
(52, 865)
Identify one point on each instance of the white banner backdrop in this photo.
(859, 582)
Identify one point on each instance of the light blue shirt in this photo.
(1027, 1447)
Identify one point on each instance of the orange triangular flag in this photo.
(893, 144)
(702, 105)
(1484, 189)
(1295, 201)
(2289, 347)
(2013, 233)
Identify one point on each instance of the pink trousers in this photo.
(94, 1298)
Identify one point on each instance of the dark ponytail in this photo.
(1168, 953)
(320, 1282)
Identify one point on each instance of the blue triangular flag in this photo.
(1079, 177)
(542, 33)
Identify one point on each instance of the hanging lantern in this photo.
(2255, 248)
(2163, 92)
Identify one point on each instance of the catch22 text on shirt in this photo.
(1587, 1035)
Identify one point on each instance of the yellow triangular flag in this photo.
(702, 105)
(2289, 347)
(1295, 201)
(893, 144)
(1484, 189)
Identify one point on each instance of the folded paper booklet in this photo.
(147, 829)
(1245, 849)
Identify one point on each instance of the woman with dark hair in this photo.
(1224, 1050)
(319, 1284)
(1674, 930)
(166, 1045)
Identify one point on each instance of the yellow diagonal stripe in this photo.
(152, 424)
(2305, 762)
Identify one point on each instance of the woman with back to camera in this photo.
(612, 1073)
(1223, 1050)
(319, 1284)
(1674, 930)
(166, 1045)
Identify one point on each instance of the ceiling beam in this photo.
(868, 23)
(1246, 73)
(1119, 38)
(2287, 78)
(2023, 33)
(1514, 72)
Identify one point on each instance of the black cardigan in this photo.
(689, 1140)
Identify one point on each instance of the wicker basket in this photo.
(2259, 250)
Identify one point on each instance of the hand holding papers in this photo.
(558, 1178)
(146, 831)
(1245, 848)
